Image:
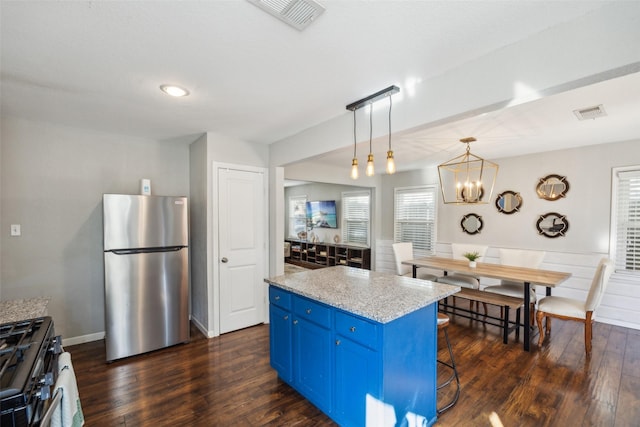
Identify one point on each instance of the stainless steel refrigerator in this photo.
(146, 273)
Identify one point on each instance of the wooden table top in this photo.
(533, 276)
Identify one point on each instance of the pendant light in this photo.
(467, 179)
(391, 164)
(370, 169)
(354, 162)
(369, 100)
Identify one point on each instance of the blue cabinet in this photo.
(357, 381)
(280, 342)
(356, 370)
(312, 362)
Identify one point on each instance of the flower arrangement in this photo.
(471, 256)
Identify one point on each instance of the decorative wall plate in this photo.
(471, 223)
(552, 187)
(508, 202)
(552, 224)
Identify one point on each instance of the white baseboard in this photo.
(82, 339)
(202, 328)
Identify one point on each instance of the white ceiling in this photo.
(98, 65)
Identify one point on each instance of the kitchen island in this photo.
(360, 345)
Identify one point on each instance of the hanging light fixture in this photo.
(369, 100)
(354, 162)
(391, 164)
(467, 179)
(370, 169)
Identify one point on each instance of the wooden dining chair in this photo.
(403, 251)
(573, 309)
(518, 258)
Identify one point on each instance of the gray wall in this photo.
(320, 191)
(52, 181)
(587, 207)
(199, 189)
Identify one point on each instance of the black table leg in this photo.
(415, 271)
(505, 332)
(527, 315)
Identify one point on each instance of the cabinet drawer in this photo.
(280, 297)
(312, 311)
(357, 329)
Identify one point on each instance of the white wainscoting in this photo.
(620, 305)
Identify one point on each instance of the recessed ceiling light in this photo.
(174, 90)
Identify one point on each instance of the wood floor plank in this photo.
(227, 381)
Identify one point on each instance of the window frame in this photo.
(431, 190)
(345, 221)
(293, 218)
(616, 250)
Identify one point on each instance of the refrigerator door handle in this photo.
(146, 250)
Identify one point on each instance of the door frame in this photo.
(214, 283)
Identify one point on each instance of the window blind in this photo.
(415, 217)
(356, 207)
(627, 217)
(297, 215)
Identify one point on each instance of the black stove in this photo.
(28, 370)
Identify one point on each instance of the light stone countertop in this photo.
(22, 309)
(381, 297)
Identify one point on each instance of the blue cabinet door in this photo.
(280, 342)
(357, 382)
(312, 362)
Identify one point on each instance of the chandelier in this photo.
(467, 179)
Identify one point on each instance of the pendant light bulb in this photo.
(370, 168)
(391, 164)
(354, 168)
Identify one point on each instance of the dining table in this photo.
(527, 276)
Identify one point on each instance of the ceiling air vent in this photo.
(297, 13)
(590, 112)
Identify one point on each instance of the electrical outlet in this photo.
(15, 229)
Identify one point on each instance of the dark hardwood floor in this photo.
(227, 381)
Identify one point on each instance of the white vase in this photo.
(472, 264)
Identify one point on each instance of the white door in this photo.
(241, 250)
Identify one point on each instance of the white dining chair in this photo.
(573, 309)
(518, 258)
(463, 280)
(403, 251)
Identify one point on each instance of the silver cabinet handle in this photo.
(308, 311)
(295, 322)
(286, 317)
(352, 329)
(277, 297)
(224, 260)
(337, 342)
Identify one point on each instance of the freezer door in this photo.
(147, 298)
(132, 221)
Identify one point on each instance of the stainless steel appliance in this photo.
(28, 370)
(146, 273)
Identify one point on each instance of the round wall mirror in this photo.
(508, 202)
(552, 187)
(552, 224)
(471, 223)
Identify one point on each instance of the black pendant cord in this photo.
(370, 126)
(390, 104)
(354, 134)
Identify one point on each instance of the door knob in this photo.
(224, 259)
